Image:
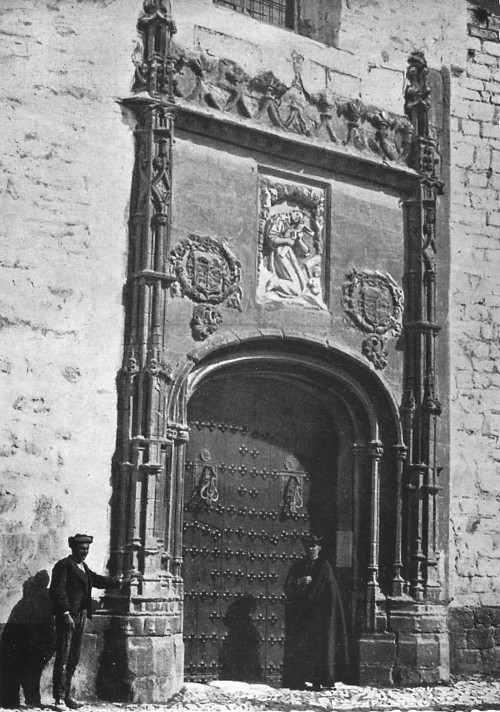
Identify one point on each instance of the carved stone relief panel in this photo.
(374, 302)
(291, 259)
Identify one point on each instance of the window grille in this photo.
(276, 12)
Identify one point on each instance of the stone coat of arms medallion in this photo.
(374, 302)
(208, 273)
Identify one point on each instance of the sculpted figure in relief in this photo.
(290, 269)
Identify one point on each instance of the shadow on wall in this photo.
(240, 654)
(27, 644)
(114, 681)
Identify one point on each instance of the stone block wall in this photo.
(475, 320)
(475, 640)
(66, 159)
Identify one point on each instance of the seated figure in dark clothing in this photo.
(314, 621)
(240, 654)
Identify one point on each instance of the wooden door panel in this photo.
(240, 539)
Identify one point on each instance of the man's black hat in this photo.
(80, 539)
(312, 539)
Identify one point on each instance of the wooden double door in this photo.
(260, 471)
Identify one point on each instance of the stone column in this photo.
(142, 624)
(399, 586)
(373, 594)
(421, 406)
(359, 457)
(418, 620)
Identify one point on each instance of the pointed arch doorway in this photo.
(271, 455)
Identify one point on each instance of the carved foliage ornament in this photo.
(374, 347)
(207, 272)
(205, 321)
(374, 302)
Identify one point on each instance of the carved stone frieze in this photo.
(223, 85)
(291, 265)
(374, 302)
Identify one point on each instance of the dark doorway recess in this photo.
(269, 458)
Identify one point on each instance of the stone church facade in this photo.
(248, 292)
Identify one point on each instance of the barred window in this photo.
(276, 12)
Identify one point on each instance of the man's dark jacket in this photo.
(71, 588)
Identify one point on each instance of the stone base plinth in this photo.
(413, 651)
(131, 658)
(422, 642)
(377, 657)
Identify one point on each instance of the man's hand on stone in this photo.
(69, 623)
(130, 576)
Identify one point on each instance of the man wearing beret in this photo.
(315, 631)
(71, 595)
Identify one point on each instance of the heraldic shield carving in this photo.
(208, 273)
(374, 302)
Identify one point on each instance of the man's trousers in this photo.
(68, 649)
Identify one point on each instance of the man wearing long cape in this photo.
(315, 631)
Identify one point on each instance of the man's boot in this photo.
(71, 703)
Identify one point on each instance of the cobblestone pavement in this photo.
(218, 696)
(473, 694)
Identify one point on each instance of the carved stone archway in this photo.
(336, 376)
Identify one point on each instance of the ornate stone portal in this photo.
(142, 630)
